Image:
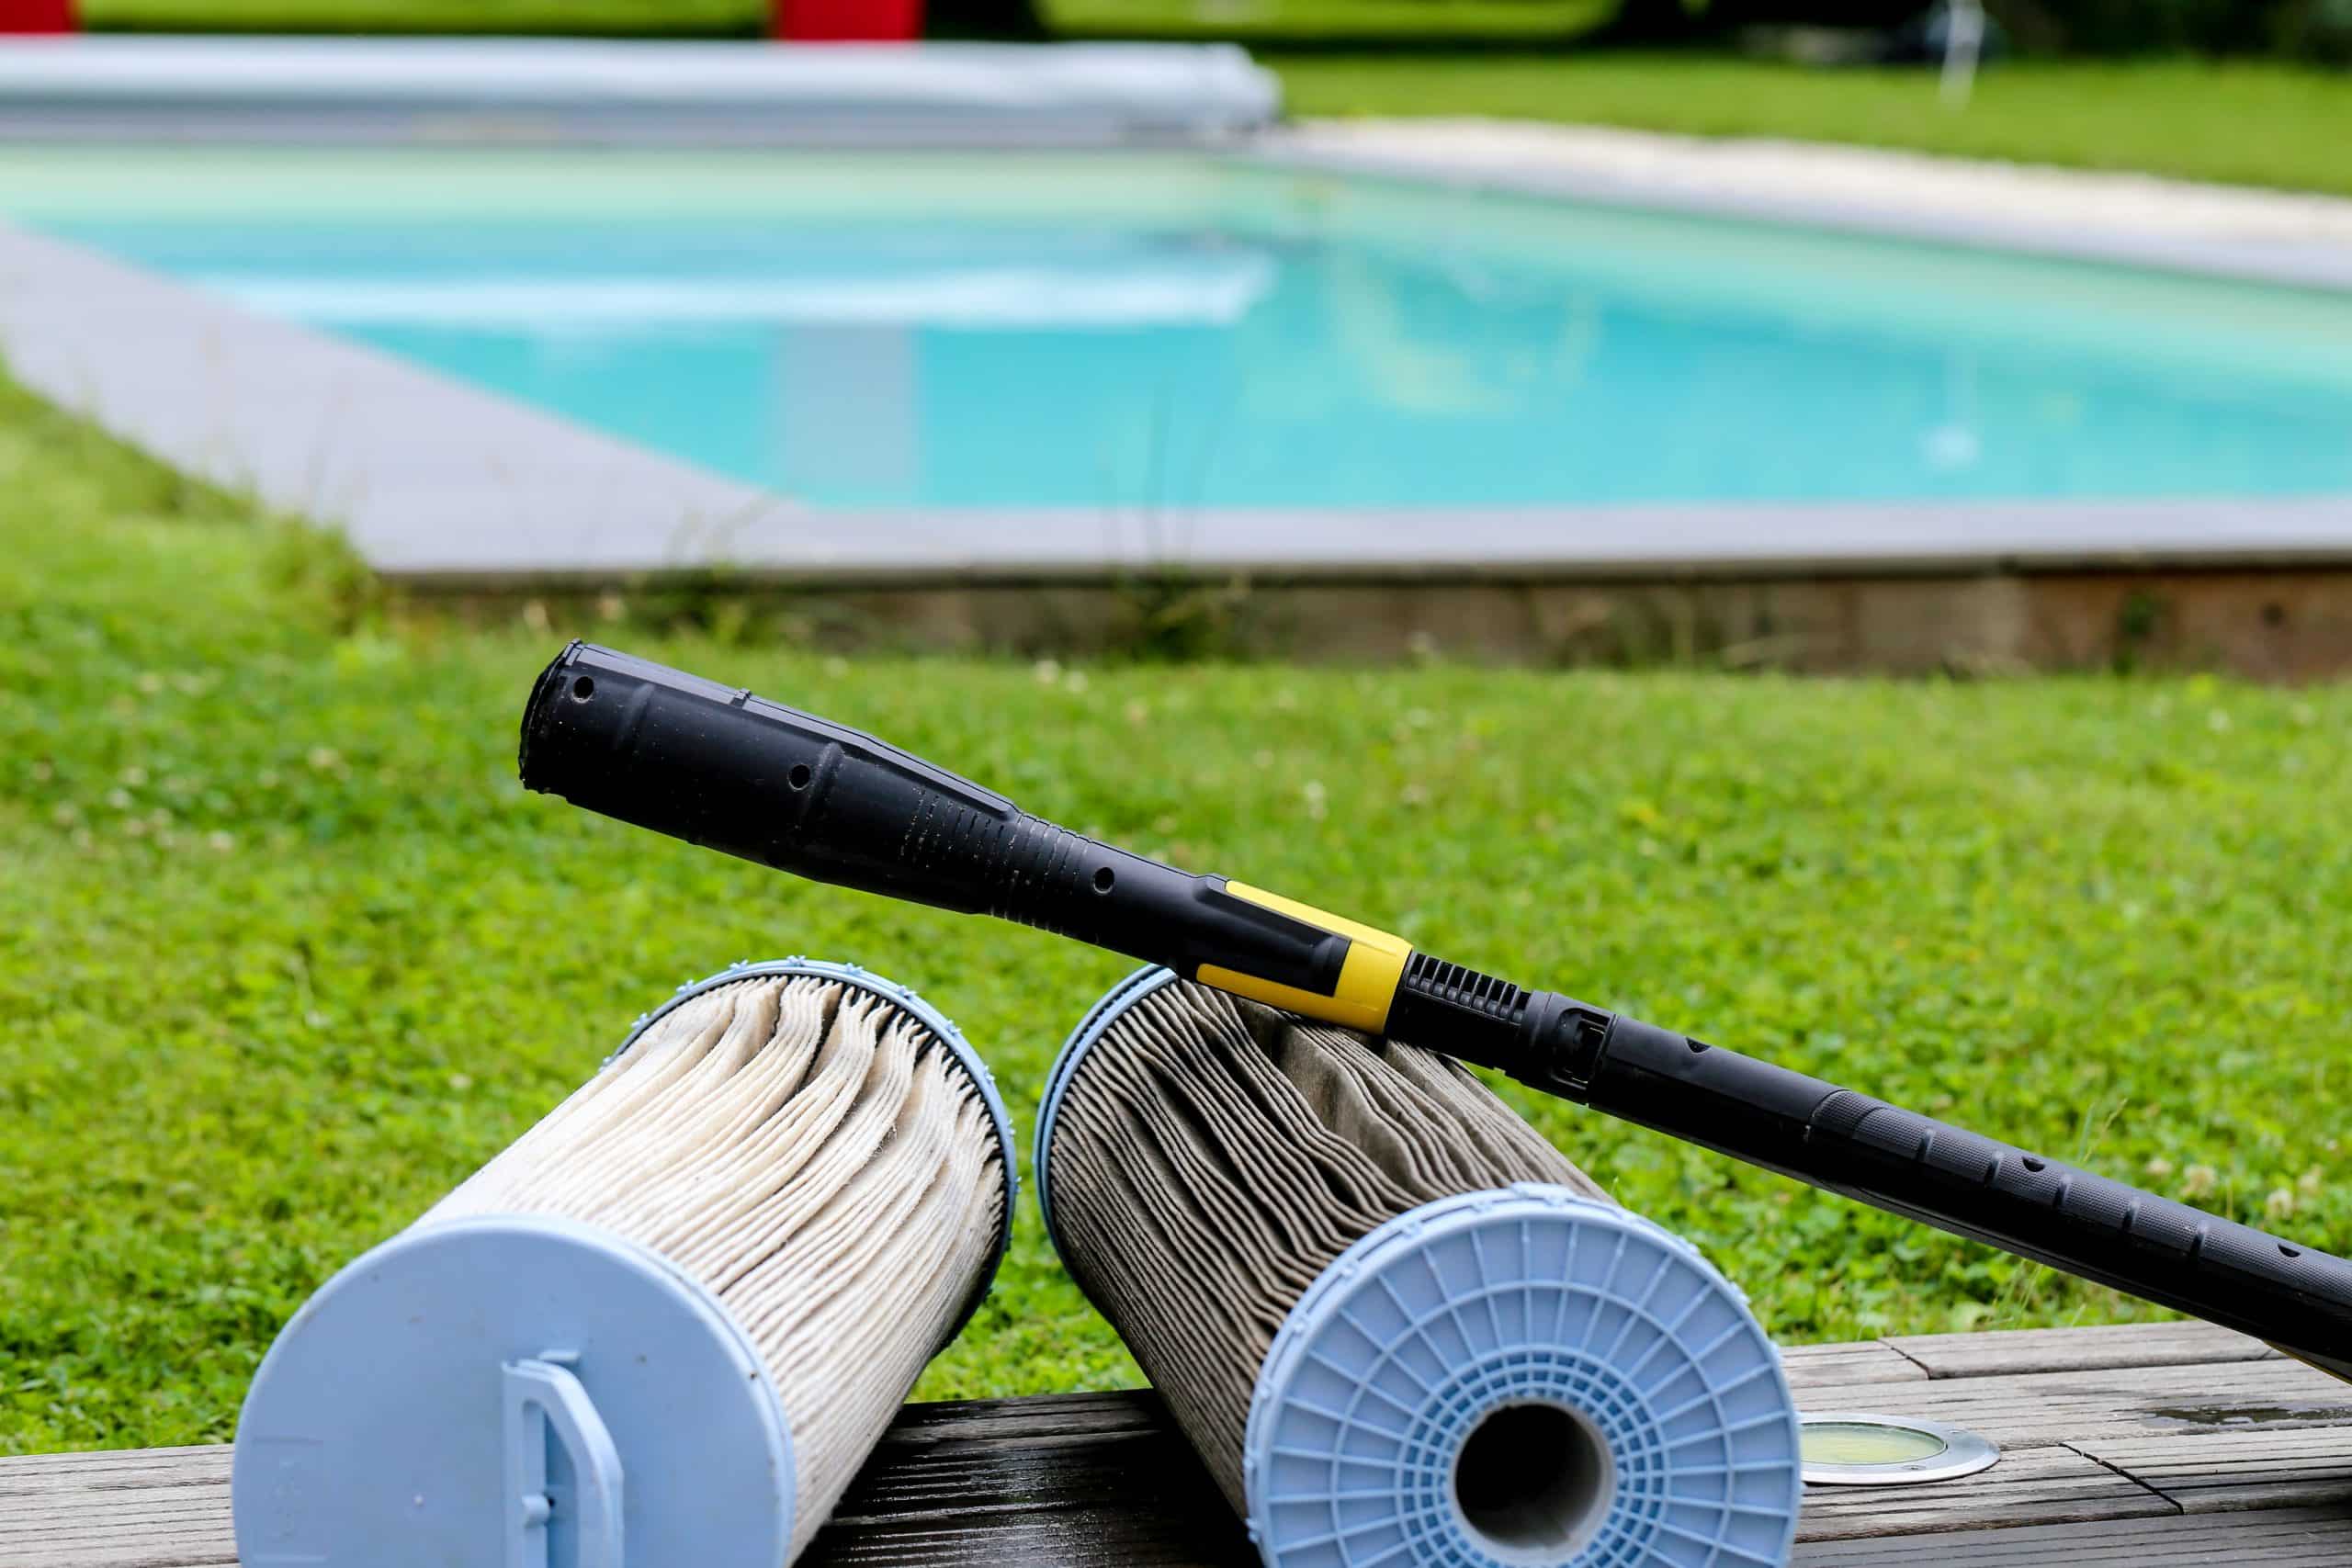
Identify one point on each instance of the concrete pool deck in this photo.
(2142, 220)
(445, 487)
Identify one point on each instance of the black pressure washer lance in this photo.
(717, 766)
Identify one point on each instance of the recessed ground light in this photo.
(1889, 1451)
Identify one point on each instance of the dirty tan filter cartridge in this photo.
(1397, 1326)
(665, 1326)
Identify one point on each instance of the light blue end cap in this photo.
(423, 1397)
(1521, 1378)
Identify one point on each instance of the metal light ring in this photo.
(1964, 1452)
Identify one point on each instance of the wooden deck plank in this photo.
(93, 1541)
(2011, 1352)
(122, 1509)
(2296, 1538)
(182, 1507)
(2053, 1407)
(2244, 1458)
(2045, 1485)
(106, 1468)
(1842, 1366)
(2210, 1472)
(1086, 1481)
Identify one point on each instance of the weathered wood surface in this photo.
(2053, 1484)
(135, 1508)
(1847, 1366)
(2126, 1448)
(2288, 1538)
(2078, 1349)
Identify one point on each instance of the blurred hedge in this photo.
(2312, 30)
(2309, 29)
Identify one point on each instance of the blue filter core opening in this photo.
(1534, 1481)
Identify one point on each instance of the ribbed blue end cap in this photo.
(1098, 1020)
(1522, 1378)
(373, 1437)
(940, 1025)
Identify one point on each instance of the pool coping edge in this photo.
(1766, 181)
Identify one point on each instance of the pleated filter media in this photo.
(667, 1324)
(1397, 1324)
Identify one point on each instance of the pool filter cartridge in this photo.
(666, 1325)
(1399, 1327)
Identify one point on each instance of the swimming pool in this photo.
(1175, 332)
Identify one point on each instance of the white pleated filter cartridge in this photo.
(1398, 1326)
(668, 1324)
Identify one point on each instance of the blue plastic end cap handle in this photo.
(373, 1437)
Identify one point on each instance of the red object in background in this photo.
(37, 17)
(838, 21)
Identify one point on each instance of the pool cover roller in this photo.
(720, 767)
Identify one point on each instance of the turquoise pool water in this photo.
(999, 335)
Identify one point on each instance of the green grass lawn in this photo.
(284, 952)
(2241, 122)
